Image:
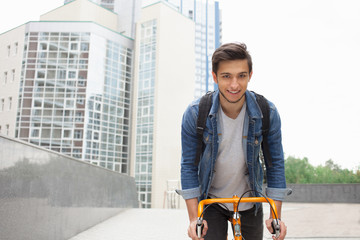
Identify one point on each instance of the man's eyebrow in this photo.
(227, 73)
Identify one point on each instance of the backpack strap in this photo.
(204, 109)
(265, 109)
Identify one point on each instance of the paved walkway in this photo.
(304, 221)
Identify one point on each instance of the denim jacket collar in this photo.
(253, 109)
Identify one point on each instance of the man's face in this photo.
(232, 78)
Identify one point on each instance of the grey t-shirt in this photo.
(230, 176)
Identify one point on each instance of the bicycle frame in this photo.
(235, 220)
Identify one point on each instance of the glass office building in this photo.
(75, 92)
(208, 35)
(145, 111)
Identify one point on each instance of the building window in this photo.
(78, 116)
(8, 50)
(78, 134)
(74, 46)
(5, 77)
(67, 133)
(77, 153)
(10, 102)
(81, 83)
(96, 136)
(2, 104)
(61, 74)
(191, 14)
(80, 100)
(13, 75)
(16, 45)
(35, 133)
(84, 46)
(71, 74)
(7, 129)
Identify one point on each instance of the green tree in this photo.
(298, 170)
(301, 171)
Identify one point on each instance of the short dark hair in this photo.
(228, 52)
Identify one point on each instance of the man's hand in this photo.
(192, 207)
(192, 230)
(282, 229)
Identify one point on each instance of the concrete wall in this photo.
(324, 193)
(45, 195)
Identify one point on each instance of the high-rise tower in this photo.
(208, 36)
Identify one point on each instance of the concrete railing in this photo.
(45, 195)
(324, 193)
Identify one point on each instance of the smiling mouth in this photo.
(232, 92)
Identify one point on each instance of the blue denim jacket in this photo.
(196, 180)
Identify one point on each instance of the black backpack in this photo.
(204, 109)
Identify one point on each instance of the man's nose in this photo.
(234, 82)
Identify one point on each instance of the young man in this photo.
(230, 164)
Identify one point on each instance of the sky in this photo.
(306, 60)
(306, 56)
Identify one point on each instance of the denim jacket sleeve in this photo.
(276, 182)
(189, 171)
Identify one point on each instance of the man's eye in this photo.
(242, 75)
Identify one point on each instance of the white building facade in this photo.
(164, 77)
(11, 55)
(128, 12)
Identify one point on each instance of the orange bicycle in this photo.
(235, 220)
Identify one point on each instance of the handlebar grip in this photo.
(199, 228)
(276, 227)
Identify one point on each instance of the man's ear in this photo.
(214, 77)
(250, 75)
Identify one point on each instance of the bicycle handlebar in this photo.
(235, 201)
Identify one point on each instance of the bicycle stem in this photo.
(236, 220)
(237, 224)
